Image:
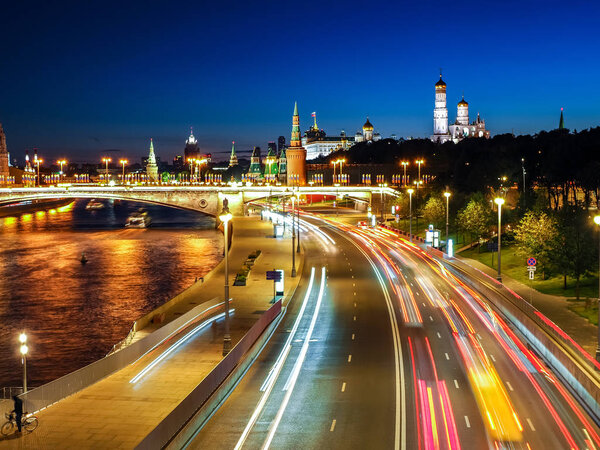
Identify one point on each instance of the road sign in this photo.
(531, 270)
(531, 262)
(274, 275)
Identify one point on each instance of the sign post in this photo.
(531, 266)
(277, 277)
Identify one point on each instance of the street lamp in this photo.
(447, 195)
(106, 161)
(61, 162)
(404, 164)
(123, 162)
(410, 193)
(499, 201)
(38, 161)
(24, 349)
(293, 239)
(298, 222)
(334, 163)
(597, 222)
(225, 217)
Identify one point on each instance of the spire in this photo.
(233, 161)
(151, 156)
(561, 124)
(295, 108)
(315, 127)
(295, 141)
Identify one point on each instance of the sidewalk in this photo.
(114, 413)
(552, 306)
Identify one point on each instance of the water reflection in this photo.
(73, 312)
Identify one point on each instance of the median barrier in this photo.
(175, 429)
(50, 393)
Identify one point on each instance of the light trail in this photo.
(175, 346)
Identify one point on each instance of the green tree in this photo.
(475, 218)
(434, 211)
(537, 235)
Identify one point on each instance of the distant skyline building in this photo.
(461, 128)
(192, 149)
(296, 154)
(152, 167)
(4, 163)
(272, 146)
(280, 144)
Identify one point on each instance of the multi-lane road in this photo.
(383, 346)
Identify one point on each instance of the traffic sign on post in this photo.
(531, 262)
(274, 275)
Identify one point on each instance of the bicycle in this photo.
(29, 423)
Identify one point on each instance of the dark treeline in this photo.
(558, 160)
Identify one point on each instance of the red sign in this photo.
(531, 262)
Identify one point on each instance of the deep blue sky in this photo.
(77, 79)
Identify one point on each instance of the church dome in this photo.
(440, 84)
(367, 126)
(463, 103)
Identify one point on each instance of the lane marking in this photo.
(349, 358)
(352, 336)
(355, 293)
(332, 425)
(456, 384)
(478, 336)
(355, 303)
(344, 387)
(530, 424)
(492, 356)
(467, 421)
(424, 304)
(509, 385)
(417, 293)
(447, 357)
(355, 318)
(353, 284)
(431, 318)
(439, 335)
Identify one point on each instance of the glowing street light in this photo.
(24, 349)
(38, 161)
(106, 160)
(499, 201)
(293, 239)
(410, 193)
(123, 162)
(404, 164)
(61, 162)
(447, 195)
(297, 195)
(225, 217)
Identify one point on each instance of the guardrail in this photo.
(50, 393)
(9, 391)
(170, 426)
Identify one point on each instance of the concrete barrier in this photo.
(169, 428)
(50, 393)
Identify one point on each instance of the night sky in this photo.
(76, 80)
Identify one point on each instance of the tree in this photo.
(537, 235)
(474, 218)
(434, 211)
(577, 253)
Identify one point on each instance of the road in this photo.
(393, 350)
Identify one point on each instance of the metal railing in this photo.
(124, 342)
(9, 391)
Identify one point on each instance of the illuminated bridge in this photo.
(206, 199)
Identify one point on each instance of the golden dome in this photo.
(367, 125)
(463, 103)
(440, 84)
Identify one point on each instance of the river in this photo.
(73, 313)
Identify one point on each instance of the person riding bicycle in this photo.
(18, 411)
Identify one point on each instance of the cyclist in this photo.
(18, 411)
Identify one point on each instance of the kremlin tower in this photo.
(152, 167)
(561, 123)
(4, 172)
(233, 161)
(440, 114)
(296, 155)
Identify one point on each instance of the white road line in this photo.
(424, 304)
(467, 422)
(456, 384)
(418, 293)
(439, 335)
(431, 318)
(509, 385)
(344, 387)
(355, 304)
(447, 356)
(530, 424)
(349, 358)
(353, 284)
(352, 276)
(492, 356)
(352, 336)
(478, 336)
(355, 318)
(332, 425)
(355, 293)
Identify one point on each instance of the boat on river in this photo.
(94, 204)
(139, 219)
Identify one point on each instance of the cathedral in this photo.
(461, 128)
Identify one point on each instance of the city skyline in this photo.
(153, 77)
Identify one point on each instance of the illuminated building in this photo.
(152, 167)
(280, 144)
(282, 172)
(192, 149)
(4, 171)
(296, 154)
(233, 161)
(367, 133)
(255, 170)
(461, 128)
(271, 165)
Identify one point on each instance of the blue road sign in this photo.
(273, 275)
(531, 262)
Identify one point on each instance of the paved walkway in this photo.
(552, 306)
(114, 413)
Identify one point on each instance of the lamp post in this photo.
(123, 162)
(61, 162)
(410, 193)
(341, 161)
(225, 217)
(38, 161)
(597, 222)
(334, 163)
(106, 161)
(24, 349)
(293, 239)
(447, 195)
(298, 222)
(499, 201)
(404, 164)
